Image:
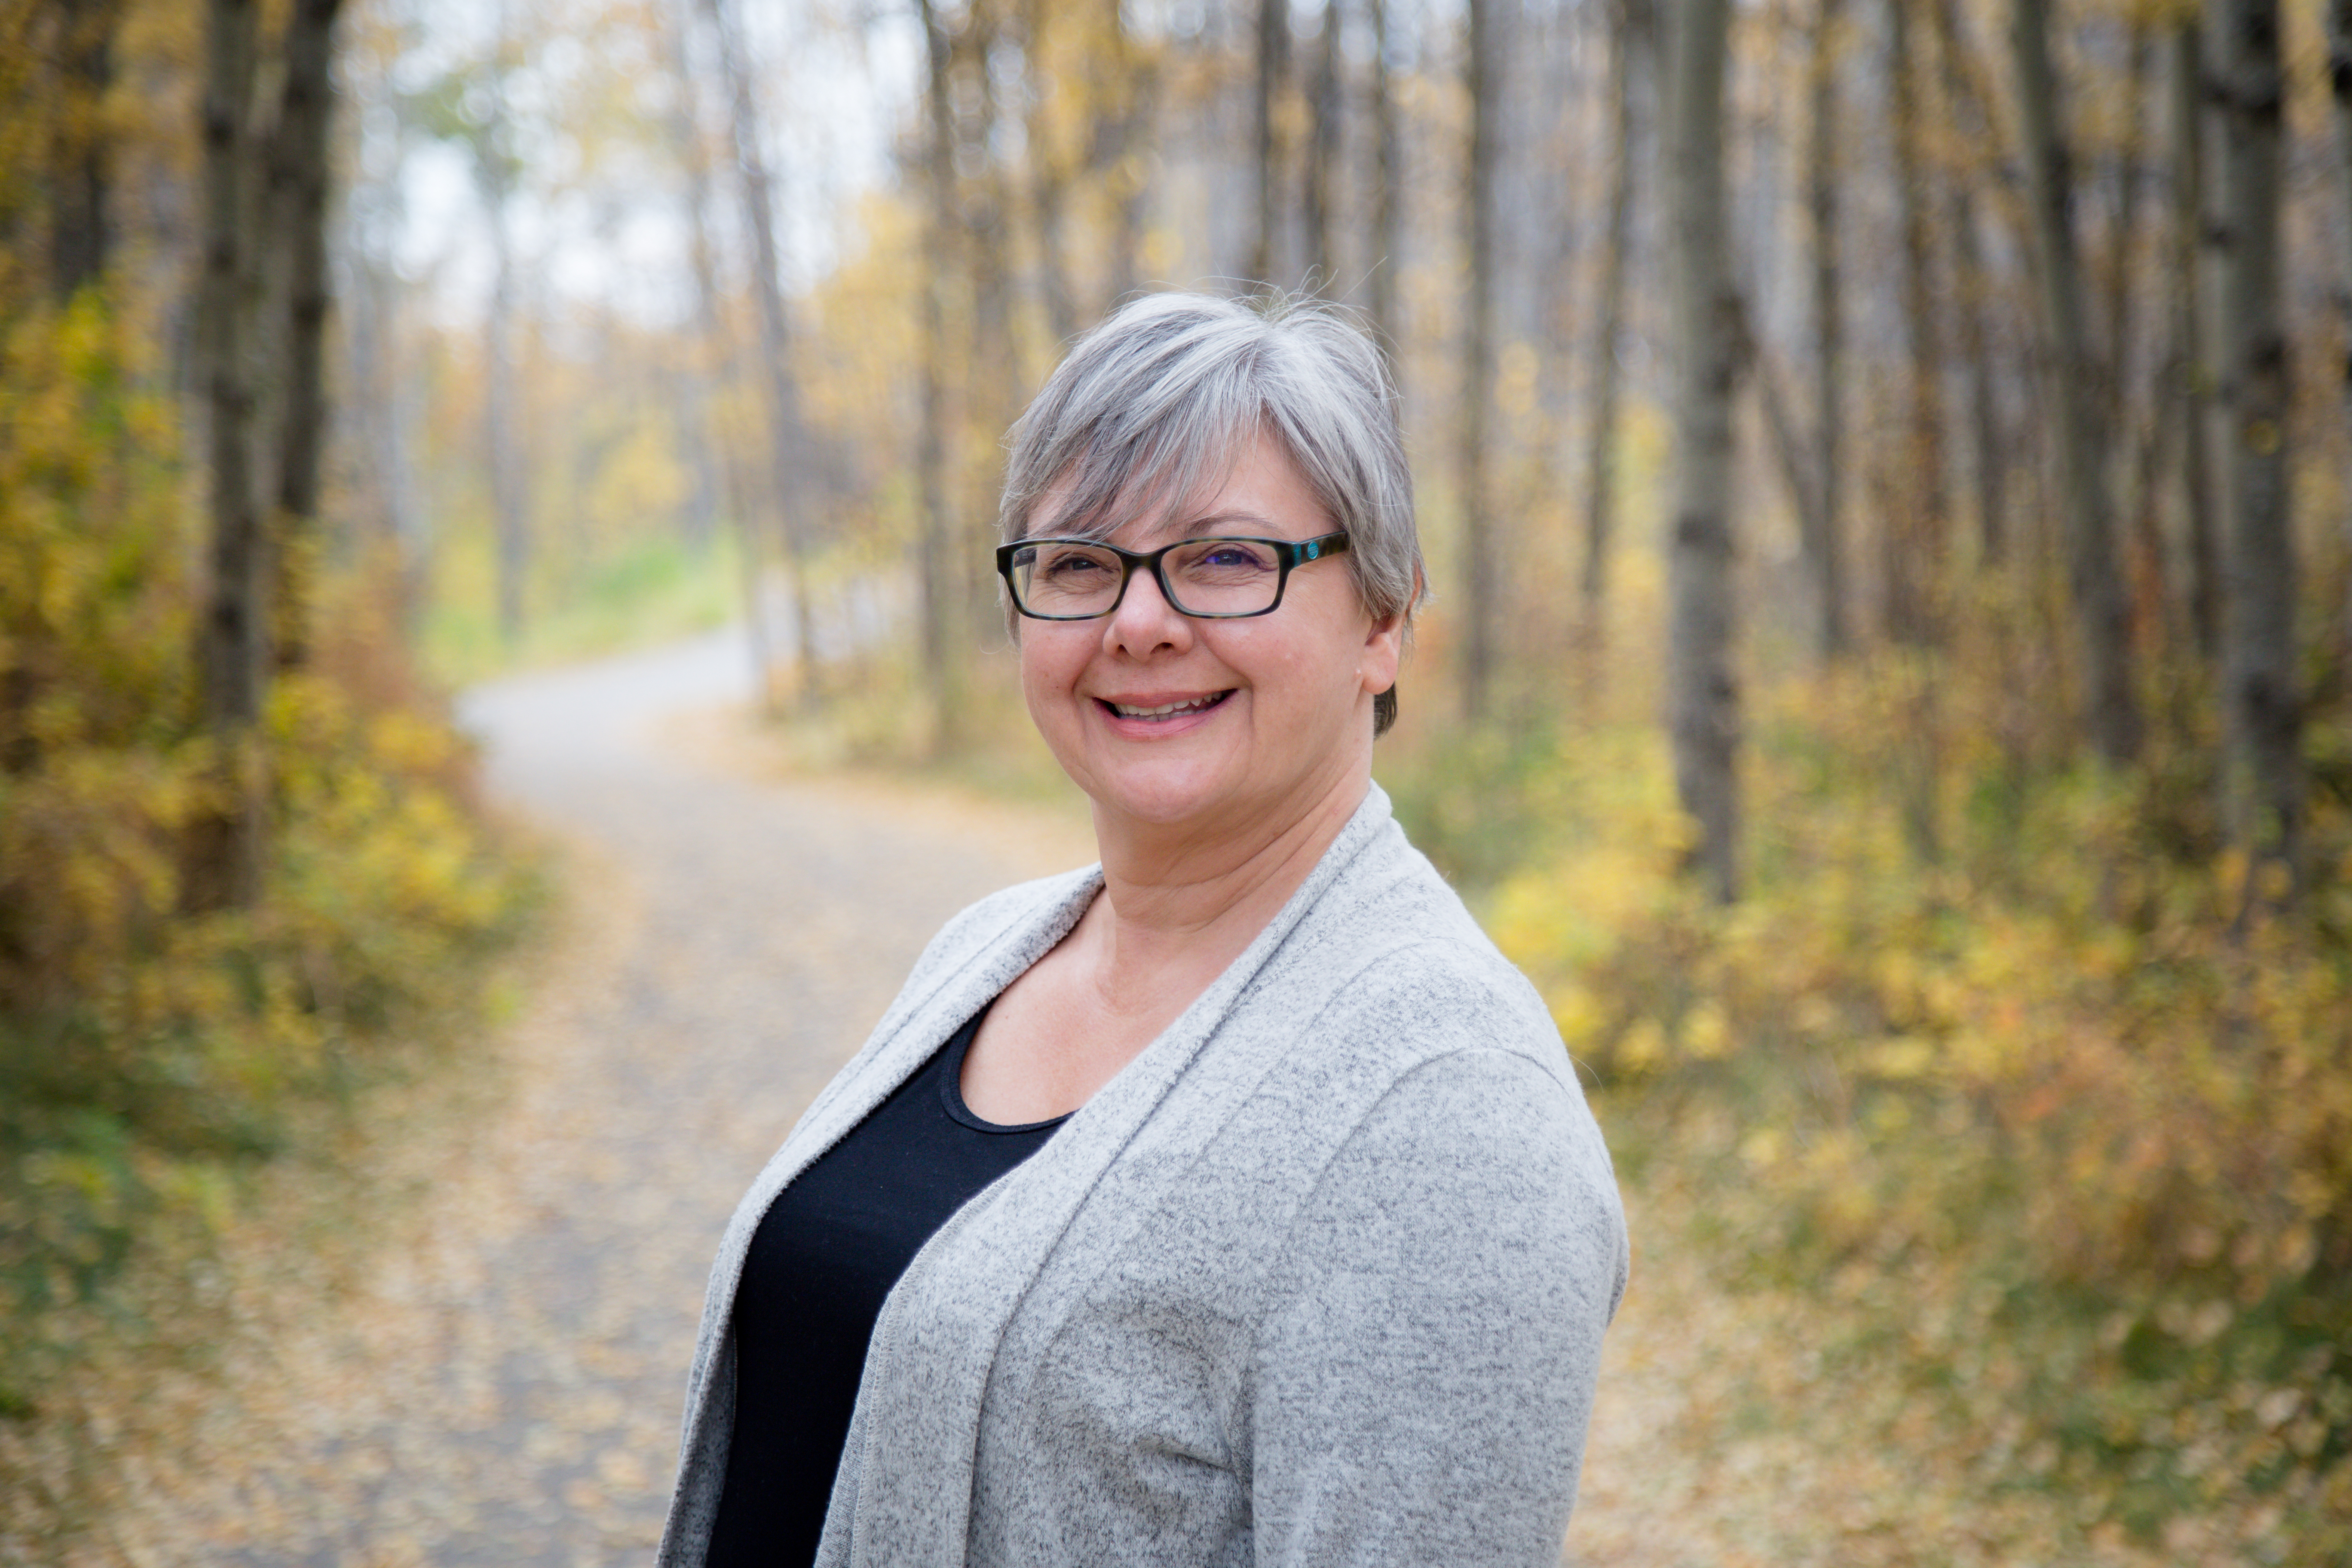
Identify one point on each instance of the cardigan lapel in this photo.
(893, 1053)
(916, 1025)
(907, 1475)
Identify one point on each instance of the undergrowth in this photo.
(150, 1059)
(1995, 1056)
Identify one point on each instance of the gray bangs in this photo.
(1151, 409)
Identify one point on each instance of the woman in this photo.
(1230, 1201)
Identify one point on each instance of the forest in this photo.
(1886, 469)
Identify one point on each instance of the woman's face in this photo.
(1261, 719)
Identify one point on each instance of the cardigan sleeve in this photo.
(1423, 1378)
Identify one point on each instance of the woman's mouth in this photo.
(1162, 712)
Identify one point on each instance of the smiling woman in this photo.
(1230, 1200)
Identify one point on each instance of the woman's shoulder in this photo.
(979, 924)
(1408, 947)
(1387, 976)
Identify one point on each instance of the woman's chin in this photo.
(1163, 803)
(1163, 792)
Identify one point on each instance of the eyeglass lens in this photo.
(1204, 577)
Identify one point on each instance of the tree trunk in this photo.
(1273, 67)
(2120, 274)
(936, 532)
(1703, 690)
(2339, 89)
(1128, 151)
(1049, 185)
(2264, 707)
(1479, 609)
(703, 348)
(1992, 468)
(784, 440)
(224, 860)
(1971, 283)
(300, 172)
(500, 417)
(1630, 25)
(1323, 155)
(2102, 610)
(2192, 377)
(1914, 536)
(260, 317)
(1388, 173)
(501, 411)
(78, 149)
(992, 391)
(1821, 540)
(716, 362)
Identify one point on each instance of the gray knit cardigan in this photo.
(1319, 1278)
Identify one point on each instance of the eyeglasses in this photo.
(1209, 579)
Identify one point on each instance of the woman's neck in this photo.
(1175, 909)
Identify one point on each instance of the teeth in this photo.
(1167, 709)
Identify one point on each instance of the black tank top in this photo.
(826, 1253)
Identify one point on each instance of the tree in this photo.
(1388, 173)
(1478, 578)
(713, 356)
(1049, 185)
(2102, 611)
(300, 160)
(2191, 372)
(77, 172)
(260, 313)
(994, 390)
(1913, 535)
(1124, 139)
(703, 348)
(1324, 109)
(1971, 282)
(1821, 542)
(1703, 690)
(494, 164)
(936, 532)
(2339, 91)
(784, 434)
(224, 858)
(1633, 48)
(1273, 61)
(2264, 705)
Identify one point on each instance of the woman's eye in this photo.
(1072, 565)
(1233, 558)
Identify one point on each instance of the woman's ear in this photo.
(1383, 653)
(1384, 645)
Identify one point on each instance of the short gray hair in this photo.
(1153, 408)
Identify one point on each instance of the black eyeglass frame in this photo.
(1290, 552)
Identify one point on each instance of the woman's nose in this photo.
(1145, 621)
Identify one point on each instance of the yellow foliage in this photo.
(140, 1049)
(2052, 1063)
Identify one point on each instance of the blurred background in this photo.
(1884, 470)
